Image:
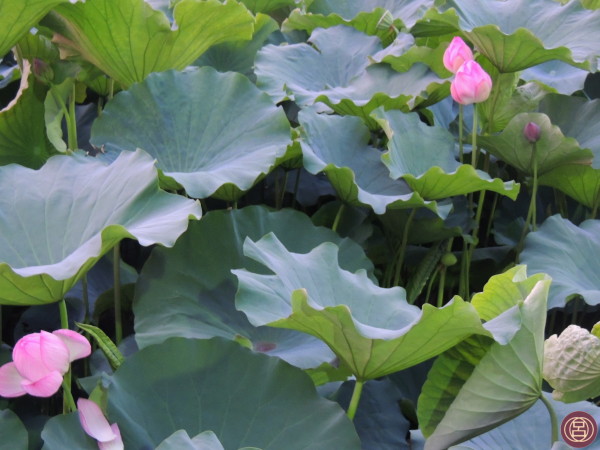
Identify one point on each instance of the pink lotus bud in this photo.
(532, 132)
(39, 362)
(456, 54)
(95, 425)
(472, 84)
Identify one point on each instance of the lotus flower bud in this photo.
(456, 54)
(95, 425)
(42, 71)
(532, 132)
(472, 84)
(39, 362)
(572, 364)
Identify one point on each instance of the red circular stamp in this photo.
(579, 429)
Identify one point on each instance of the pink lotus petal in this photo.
(10, 381)
(55, 354)
(116, 443)
(93, 421)
(28, 359)
(79, 347)
(44, 387)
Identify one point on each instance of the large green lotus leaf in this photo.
(339, 147)
(553, 148)
(18, 16)
(65, 431)
(562, 77)
(239, 56)
(577, 181)
(524, 33)
(237, 132)
(267, 6)
(249, 399)
(202, 306)
(361, 13)
(502, 379)
(372, 330)
(59, 220)
(301, 72)
(22, 127)
(576, 117)
(424, 157)
(13, 433)
(129, 40)
(530, 429)
(336, 70)
(577, 248)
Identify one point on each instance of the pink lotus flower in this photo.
(472, 84)
(39, 362)
(95, 425)
(456, 54)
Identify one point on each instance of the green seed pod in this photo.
(449, 259)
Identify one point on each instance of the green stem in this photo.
(460, 133)
(355, 398)
(64, 317)
(296, 185)
(474, 151)
(111, 88)
(117, 293)
(282, 196)
(488, 229)
(575, 311)
(553, 419)
(338, 216)
(402, 251)
(463, 283)
(531, 213)
(68, 402)
(86, 299)
(72, 121)
(442, 284)
(430, 284)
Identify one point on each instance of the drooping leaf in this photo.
(22, 129)
(13, 433)
(372, 330)
(18, 16)
(553, 148)
(237, 132)
(203, 304)
(503, 379)
(108, 347)
(517, 34)
(128, 39)
(55, 110)
(70, 212)
(576, 247)
(338, 146)
(533, 427)
(424, 157)
(250, 399)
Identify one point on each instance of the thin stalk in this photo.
(488, 229)
(430, 283)
(531, 213)
(474, 235)
(72, 121)
(463, 282)
(111, 88)
(296, 185)
(117, 294)
(553, 419)
(442, 284)
(575, 311)
(282, 196)
(355, 399)
(86, 299)
(474, 151)
(460, 133)
(402, 250)
(338, 216)
(68, 403)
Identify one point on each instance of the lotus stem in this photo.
(474, 150)
(355, 399)
(403, 245)
(460, 132)
(531, 213)
(296, 185)
(72, 121)
(338, 216)
(86, 299)
(553, 419)
(68, 403)
(117, 293)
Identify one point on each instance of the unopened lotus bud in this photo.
(42, 70)
(532, 132)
